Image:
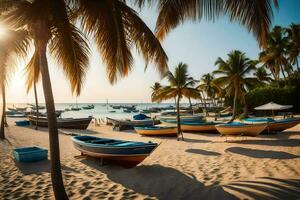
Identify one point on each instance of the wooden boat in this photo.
(131, 123)
(274, 125)
(199, 126)
(68, 123)
(240, 129)
(127, 153)
(156, 130)
(183, 118)
(30, 154)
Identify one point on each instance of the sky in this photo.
(198, 44)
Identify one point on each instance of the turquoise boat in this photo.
(127, 153)
(274, 125)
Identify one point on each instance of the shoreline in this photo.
(202, 166)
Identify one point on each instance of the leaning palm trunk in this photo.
(282, 71)
(234, 105)
(2, 133)
(179, 131)
(56, 175)
(36, 105)
(191, 106)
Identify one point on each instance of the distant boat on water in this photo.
(88, 107)
(127, 153)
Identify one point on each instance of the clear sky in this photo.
(197, 44)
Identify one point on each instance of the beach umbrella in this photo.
(273, 106)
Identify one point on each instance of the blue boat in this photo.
(30, 154)
(274, 125)
(127, 153)
(157, 130)
(23, 123)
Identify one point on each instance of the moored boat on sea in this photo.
(274, 125)
(240, 129)
(68, 123)
(156, 130)
(88, 107)
(127, 153)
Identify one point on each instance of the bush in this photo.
(288, 95)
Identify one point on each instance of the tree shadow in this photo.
(196, 140)
(268, 188)
(282, 142)
(203, 152)
(160, 182)
(256, 153)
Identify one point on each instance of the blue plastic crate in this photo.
(30, 154)
(23, 123)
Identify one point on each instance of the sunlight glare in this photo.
(2, 31)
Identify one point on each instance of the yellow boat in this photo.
(157, 130)
(205, 127)
(240, 129)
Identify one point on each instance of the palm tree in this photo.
(274, 53)
(262, 75)
(255, 15)
(234, 77)
(208, 86)
(180, 85)
(113, 25)
(155, 89)
(12, 43)
(294, 44)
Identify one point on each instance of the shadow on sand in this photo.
(203, 152)
(160, 182)
(256, 153)
(168, 183)
(279, 142)
(268, 188)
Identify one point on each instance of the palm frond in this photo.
(71, 50)
(32, 71)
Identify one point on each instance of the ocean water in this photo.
(101, 110)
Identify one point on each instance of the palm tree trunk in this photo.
(282, 71)
(179, 132)
(56, 175)
(191, 106)
(2, 131)
(36, 105)
(234, 105)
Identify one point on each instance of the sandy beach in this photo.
(204, 166)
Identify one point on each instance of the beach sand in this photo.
(204, 166)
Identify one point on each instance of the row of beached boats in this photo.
(249, 127)
(131, 153)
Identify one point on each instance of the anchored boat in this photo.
(240, 129)
(156, 130)
(127, 153)
(68, 123)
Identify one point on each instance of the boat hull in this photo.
(252, 130)
(196, 127)
(124, 124)
(168, 131)
(126, 156)
(80, 123)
